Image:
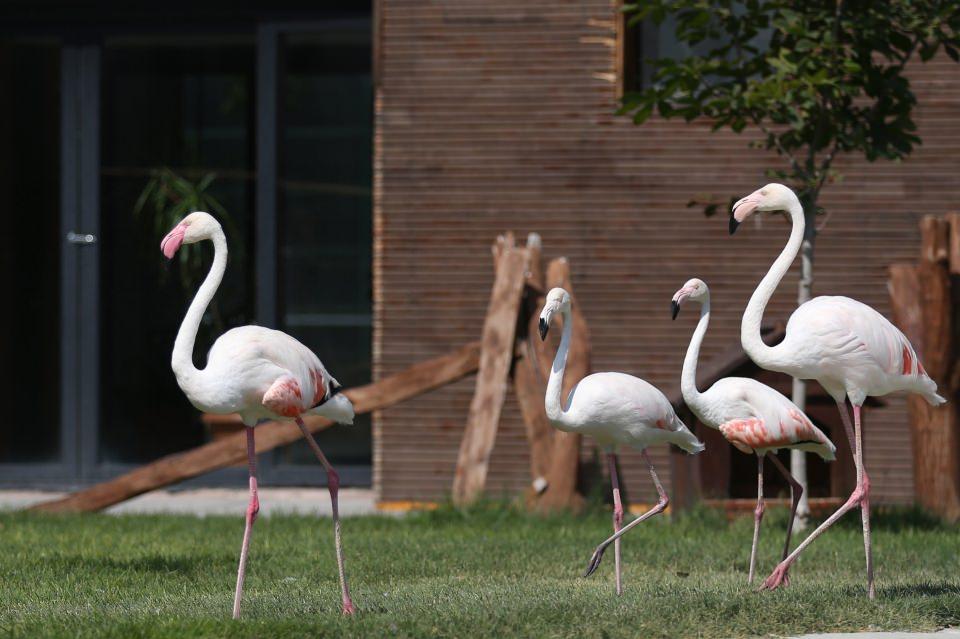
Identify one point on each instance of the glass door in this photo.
(176, 134)
(111, 139)
(37, 435)
(321, 183)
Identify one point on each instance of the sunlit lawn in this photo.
(492, 572)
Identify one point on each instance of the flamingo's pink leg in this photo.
(779, 575)
(252, 509)
(662, 504)
(617, 516)
(865, 502)
(333, 484)
(796, 490)
(854, 435)
(757, 518)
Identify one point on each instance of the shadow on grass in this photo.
(181, 564)
(895, 519)
(917, 590)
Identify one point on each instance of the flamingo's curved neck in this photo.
(767, 356)
(182, 359)
(554, 399)
(688, 378)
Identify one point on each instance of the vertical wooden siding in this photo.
(495, 115)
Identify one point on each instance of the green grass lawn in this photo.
(491, 572)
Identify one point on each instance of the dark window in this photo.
(639, 43)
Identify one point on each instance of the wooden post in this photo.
(922, 299)
(528, 382)
(175, 468)
(496, 356)
(530, 392)
(685, 472)
(561, 492)
(714, 467)
(953, 246)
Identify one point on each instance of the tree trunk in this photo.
(798, 458)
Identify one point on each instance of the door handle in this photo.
(82, 239)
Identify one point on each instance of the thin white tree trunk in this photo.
(798, 458)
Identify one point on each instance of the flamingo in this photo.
(257, 372)
(613, 408)
(752, 416)
(847, 346)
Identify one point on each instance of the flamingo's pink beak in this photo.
(744, 208)
(171, 243)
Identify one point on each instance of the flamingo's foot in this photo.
(777, 578)
(594, 561)
(348, 607)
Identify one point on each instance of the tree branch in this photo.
(776, 142)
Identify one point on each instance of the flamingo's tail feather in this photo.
(686, 440)
(934, 399)
(338, 408)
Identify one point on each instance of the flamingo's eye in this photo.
(763, 192)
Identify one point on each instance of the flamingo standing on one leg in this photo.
(752, 416)
(851, 349)
(256, 372)
(613, 408)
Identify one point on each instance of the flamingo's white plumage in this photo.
(852, 350)
(615, 409)
(752, 416)
(256, 372)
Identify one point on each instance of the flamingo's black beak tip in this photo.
(544, 327)
(674, 309)
(733, 225)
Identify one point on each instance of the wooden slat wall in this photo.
(495, 115)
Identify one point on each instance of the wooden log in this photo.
(416, 380)
(903, 285)
(530, 390)
(953, 219)
(934, 239)
(921, 298)
(715, 466)
(685, 472)
(528, 383)
(533, 276)
(503, 243)
(561, 490)
(496, 356)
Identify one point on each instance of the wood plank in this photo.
(564, 468)
(496, 356)
(415, 380)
